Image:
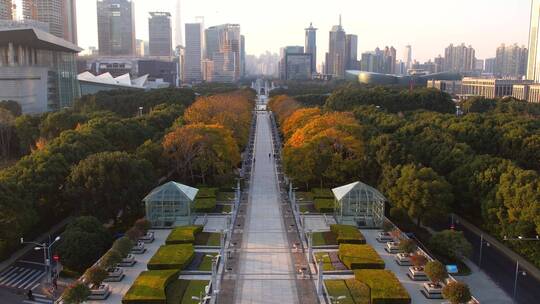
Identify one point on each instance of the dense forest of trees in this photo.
(482, 165)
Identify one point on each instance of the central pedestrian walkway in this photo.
(266, 271)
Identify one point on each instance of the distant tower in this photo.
(311, 46)
(408, 56)
(179, 39)
(5, 10)
(335, 61)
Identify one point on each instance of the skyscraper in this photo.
(224, 48)
(193, 53)
(160, 34)
(5, 10)
(351, 52)
(116, 27)
(242, 56)
(459, 58)
(336, 56)
(510, 61)
(408, 56)
(178, 37)
(60, 15)
(389, 60)
(533, 64)
(311, 46)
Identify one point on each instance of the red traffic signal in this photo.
(56, 258)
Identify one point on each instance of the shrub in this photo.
(111, 258)
(360, 257)
(207, 192)
(450, 243)
(457, 292)
(435, 271)
(76, 293)
(149, 287)
(419, 260)
(346, 234)
(205, 205)
(123, 245)
(172, 257)
(384, 286)
(324, 205)
(359, 291)
(322, 193)
(338, 288)
(407, 246)
(387, 226)
(95, 275)
(183, 235)
(143, 225)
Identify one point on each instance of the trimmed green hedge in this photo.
(183, 235)
(360, 257)
(322, 193)
(149, 287)
(346, 234)
(172, 257)
(205, 192)
(205, 204)
(338, 288)
(359, 291)
(324, 205)
(385, 288)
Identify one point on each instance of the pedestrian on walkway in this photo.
(269, 155)
(30, 295)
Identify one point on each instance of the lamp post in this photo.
(46, 254)
(516, 279)
(310, 246)
(519, 238)
(481, 249)
(320, 274)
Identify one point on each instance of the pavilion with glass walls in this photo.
(360, 205)
(170, 205)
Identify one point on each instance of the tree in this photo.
(451, 243)
(419, 260)
(123, 245)
(134, 234)
(407, 246)
(143, 225)
(435, 271)
(457, 292)
(110, 183)
(27, 130)
(7, 123)
(12, 106)
(83, 242)
(298, 120)
(76, 294)
(95, 275)
(423, 193)
(57, 122)
(111, 259)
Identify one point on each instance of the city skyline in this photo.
(405, 24)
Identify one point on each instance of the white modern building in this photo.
(92, 84)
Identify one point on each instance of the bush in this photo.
(450, 243)
(324, 205)
(322, 193)
(360, 257)
(359, 291)
(435, 271)
(149, 287)
(205, 205)
(419, 260)
(207, 192)
(111, 259)
(183, 235)
(407, 246)
(76, 293)
(384, 286)
(457, 292)
(95, 275)
(338, 288)
(346, 234)
(172, 257)
(387, 226)
(123, 245)
(143, 225)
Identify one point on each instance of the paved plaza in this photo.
(266, 271)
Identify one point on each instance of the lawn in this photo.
(183, 235)
(204, 204)
(346, 234)
(205, 192)
(225, 196)
(208, 239)
(150, 286)
(304, 197)
(322, 193)
(360, 257)
(327, 263)
(326, 238)
(193, 289)
(172, 257)
(384, 286)
(324, 205)
(181, 291)
(206, 264)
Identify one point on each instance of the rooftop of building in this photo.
(36, 38)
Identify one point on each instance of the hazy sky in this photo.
(428, 25)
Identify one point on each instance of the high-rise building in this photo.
(5, 10)
(459, 58)
(116, 27)
(242, 56)
(389, 60)
(336, 56)
(510, 61)
(224, 47)
(160, 34)
(291, 49)
(193, 53)
(351, 52)
(211, 39)
(489, 66)
(379, 61)
(533, 64)
(60, 15)
(311, 45)
(439, 64)
(408, 56)
(178, 37)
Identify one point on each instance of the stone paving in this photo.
(266, 272)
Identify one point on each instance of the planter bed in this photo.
(183, 235)
(324, 205)
(360, 257)
(325, 238)
(337, 288)
(322, 193)
(307, 207)
(384, 286)
(208, 239)
(150, 286)
(225, 196)
(200, 262)
(172, 257)
(205, 205)
(346, 234)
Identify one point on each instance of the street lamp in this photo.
(523, 273)
(481, 247)
(140, 111)
(321, 271)
(46, 254)
(521, 238)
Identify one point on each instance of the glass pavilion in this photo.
(359, 204)
(170, 205)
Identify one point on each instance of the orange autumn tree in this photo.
(231, 110)
(200, 151)
(283, 106)
(298, 120)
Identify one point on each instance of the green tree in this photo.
(407, 246)
(76, 293)
(123, 245)
(95, 275)
(12, 106)
(457, 292)
(7, 124)
(27, 131)
(110, 259)
(451, 243)
(57, 122)
(435, 271)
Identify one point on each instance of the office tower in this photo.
(336, 59)
(510, 61)
(160, 34)
(140, 48)
(193, 53)
(224, 48)
(533, 64)
(116, 27)
(311, 46)
(389, 60)
(489, 66)
(60, 15)
(439, 64)
(351, 52)
(292, 49)
(459, 58)
(211, 39)
(5, 10)
(295, 64)
(178, 37)
(242, 56)
(408, 56)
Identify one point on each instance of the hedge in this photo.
(359, 291)
(322, 193)
(360, 257)
(205, 205)
(346, 234)
(384, 287)
(172, 257)
(183, 235)
(207, 192)
(324, 205)
(149, 287)
(338, 288)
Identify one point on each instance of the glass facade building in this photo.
(360, 205)
(170, 205)
(533, 64)
(116, 27)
